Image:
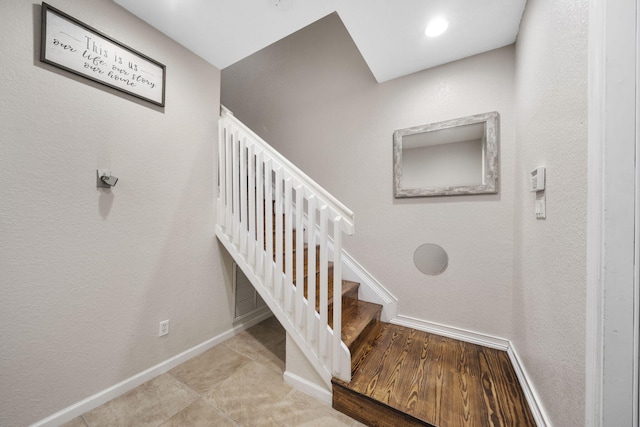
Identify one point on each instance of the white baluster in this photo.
(337, 293)
(279, 235)
(288, 232)
(251, 196)
(243, 195)
(260, 215)
(268, 217)
(324, 282)
(311, 273)
(299, 296)
(236, 189)
(228, 181)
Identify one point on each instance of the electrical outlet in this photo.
(164, 328)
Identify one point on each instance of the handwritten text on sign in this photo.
(84, 52)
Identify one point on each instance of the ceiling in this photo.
(388, 33)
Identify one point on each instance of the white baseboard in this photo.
(308, 387)
(452, 332)
(527, 387)
(100, 398)
(486, 341)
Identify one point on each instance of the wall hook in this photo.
(105, 179)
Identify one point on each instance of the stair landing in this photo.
(413, 378)
(405, 377)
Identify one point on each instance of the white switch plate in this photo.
(541, 208)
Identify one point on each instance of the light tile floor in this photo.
(236, 383)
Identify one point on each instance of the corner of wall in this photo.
(102, 397)
(533, 399)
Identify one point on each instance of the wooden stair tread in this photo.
(350, 289)
(434, 380)
(357, 316)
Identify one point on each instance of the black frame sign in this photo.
(73, 46)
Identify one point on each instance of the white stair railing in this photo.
(256, 184)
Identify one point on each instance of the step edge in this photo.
(336, 383)
(366, 326)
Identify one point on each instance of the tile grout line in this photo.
(201, 396)
(220, 411)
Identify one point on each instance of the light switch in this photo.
(541, 208)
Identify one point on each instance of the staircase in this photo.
(381, 374)
(399, 374)
(255, 182)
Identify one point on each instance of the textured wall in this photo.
(87, 274)
(313, 98)
(510, 275)
(549, 285)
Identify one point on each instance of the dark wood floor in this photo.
(428, 379)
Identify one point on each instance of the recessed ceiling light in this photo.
(436, 27)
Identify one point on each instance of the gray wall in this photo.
(86, 275)
(313, 98)
(550, 259)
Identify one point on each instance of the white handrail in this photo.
(300, 176)
(261, 197)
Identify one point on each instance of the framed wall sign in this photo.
(73, 46)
